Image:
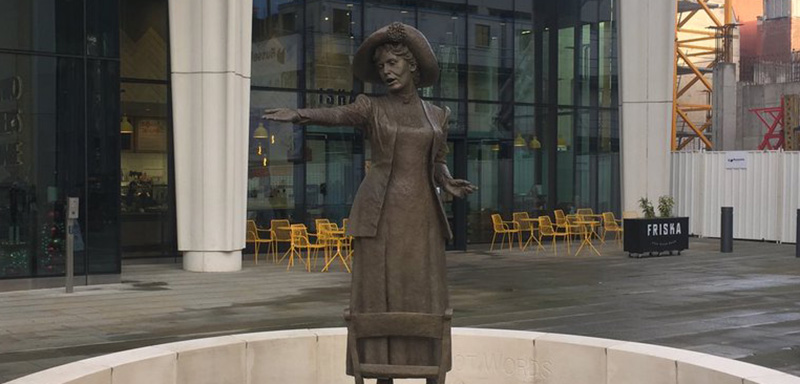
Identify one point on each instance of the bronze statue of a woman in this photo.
(397, 219)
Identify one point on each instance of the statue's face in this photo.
(395, 72)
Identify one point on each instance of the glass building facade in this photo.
(532, 86)
(59, 104)
(85, 111)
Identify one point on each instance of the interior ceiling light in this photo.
(261, 131)
(520, 141)
(125, 126)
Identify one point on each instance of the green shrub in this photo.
(665, 204)
(647, 208)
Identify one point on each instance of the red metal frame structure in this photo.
(772, 118)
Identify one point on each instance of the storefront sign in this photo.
(151, 135)
(10, 89)
(656, 235)
(736, 160)
(333, 97)
(275, 61)
(10, 113)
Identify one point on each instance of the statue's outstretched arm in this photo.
(355, 114)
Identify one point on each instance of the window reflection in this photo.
(530, 171)
(277, 43)
(333, 40)
(490, 38)
(42, 160)
(146, 221)
(334, 170)
(443, 25)
(525, 80)
(42, 25)
(275, 149)
(143, 39)
(488, 164)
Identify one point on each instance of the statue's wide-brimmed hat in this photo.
(427, 65)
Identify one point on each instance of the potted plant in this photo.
(665, 204)
(656, 234)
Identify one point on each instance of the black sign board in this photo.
(648, 236)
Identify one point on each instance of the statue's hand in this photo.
(458, 187)
(285, 115)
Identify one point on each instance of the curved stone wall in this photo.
(480, 356)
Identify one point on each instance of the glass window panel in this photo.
(334, 170)
(586, 67)
(146, 218)
(530, 160)
(144, 39)
(491, 45)
(458, 118)
(103, 164)
(606, 45)
(42, 160)
(524, 53)
(490, 119)
(443, 25)
(488, 164)
(585, 165)
(102, 28)
(332, 41)
(42, 25)
(272, 160)
(27, 105)
(565, 160)
(277, 43)
(566, 65)
(379, 14)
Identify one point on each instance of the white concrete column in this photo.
(210, 50)
(646, 34)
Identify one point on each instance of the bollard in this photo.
(69, 221)
(797, 237)
(726, 233)
(69, 273)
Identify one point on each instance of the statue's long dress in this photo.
(402, 268)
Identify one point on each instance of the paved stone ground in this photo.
(744, 305)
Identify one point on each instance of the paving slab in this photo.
(741, 305)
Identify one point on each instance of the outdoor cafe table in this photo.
(587, 235)
(533, 222)
(339, 237)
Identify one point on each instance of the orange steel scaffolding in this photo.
(689, 52)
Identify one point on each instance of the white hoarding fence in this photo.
(762, 187)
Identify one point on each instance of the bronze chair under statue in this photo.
(398, 297)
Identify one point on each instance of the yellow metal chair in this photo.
(506, 228)
(254, 235)
(546, 229)
(570, 218)
(526, 225)
(281, 233)
(317, 223)
(611, 224)
(348, 239)
(301, 242)
(584, 212)
(561, 219)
